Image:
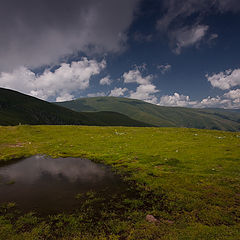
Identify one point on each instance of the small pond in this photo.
(46, 185)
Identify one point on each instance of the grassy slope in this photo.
(18, 108)
(188, 176)
(158, 115)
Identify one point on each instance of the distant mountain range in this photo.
(158, 115)
(17, 108)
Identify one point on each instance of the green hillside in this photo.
(17, 108)
(159, 115)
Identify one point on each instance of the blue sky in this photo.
(170, 53)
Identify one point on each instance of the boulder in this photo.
(151, 218)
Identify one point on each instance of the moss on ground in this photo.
(188, 179)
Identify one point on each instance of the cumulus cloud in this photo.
(105, 81)
(177, 100)
(145, 92)
(187, 36)
(229, 100)
(36, 33)
(59, 84)
(225, 80)
(164, 68)
(233, 94)
(65, 97)
(215, 102)
(135, 76)
(118, 92)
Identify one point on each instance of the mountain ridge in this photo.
(159, 115)
(17, 108)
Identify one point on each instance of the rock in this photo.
(151, 218)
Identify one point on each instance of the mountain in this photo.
(158, 115)
(17, 108)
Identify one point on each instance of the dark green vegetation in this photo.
(188, 179)
(160, 116)
(17, 108)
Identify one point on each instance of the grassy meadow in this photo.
(188, 179)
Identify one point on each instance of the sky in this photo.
(166, 52)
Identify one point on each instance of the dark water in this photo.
(47, 185)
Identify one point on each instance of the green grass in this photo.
(158, 115)
(187, 178)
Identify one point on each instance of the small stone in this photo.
(151, 218)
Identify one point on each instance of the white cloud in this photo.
(233, 94)
(98, 94)
(225, 80)
(214, 102)
(105, 81)
(187, 36)
(145, 93)
(164, 68)
(146, 90)
(228, 100)
(135, 76)
(64, 97)
(59, 84)
(176, 99)
(117, 92)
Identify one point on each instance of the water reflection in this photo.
(33, 168)
(50, 185)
